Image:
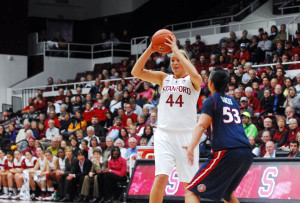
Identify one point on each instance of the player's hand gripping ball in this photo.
(159, 39)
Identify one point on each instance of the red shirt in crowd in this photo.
(100, 113)
(254, 103)
(56, 122)
(126, 116)
(118, 166)
(88, 114)
(244, 55)
(59, 99)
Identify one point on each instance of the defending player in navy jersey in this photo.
(222, 172)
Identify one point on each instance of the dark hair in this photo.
(29, 151)
(48, 151)
(144, 135)
(120, 136)
(82, 152)
(295, 142)
(115, 148)
(94, 138)
(219, 78)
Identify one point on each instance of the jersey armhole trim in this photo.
(215, 103)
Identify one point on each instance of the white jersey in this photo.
(2, 163)
(51, 164)
(177, 109)
(31, 163)
(41, 162)
(20, 163)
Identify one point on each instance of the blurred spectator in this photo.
(31, 114)
(274, 33)
(245, 106)
(267, 103)
(132, 148)
(96, 88)
(268, 126)
(260, 151)
(88, 113)
(278, 101)
(294, 149)
(60, 98)
(120, 143)
(297, 86)
(295, 66)
(129, 114)
(253, 102)
(52, 131)
(90, 131)
(202, 65)
(288, 49)
(54, 146)
(250, 129)
(100, 112)
(52, 116)
(198, 47)
(112, 41)
(270, 150)
(281, 132)
(282, 35)
(99, 130)
(244, 39)
(123, 134)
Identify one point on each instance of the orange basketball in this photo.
(159, 39)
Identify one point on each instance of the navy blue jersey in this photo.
(227, 127)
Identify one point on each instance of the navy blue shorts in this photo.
(221, 173)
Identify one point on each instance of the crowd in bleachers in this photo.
(73, 139)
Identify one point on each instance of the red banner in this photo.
(271, 181)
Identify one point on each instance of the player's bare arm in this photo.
(138, 70)
(202, 125)
(196, 79)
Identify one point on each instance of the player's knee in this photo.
(161, 179)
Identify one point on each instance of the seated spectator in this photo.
(266, 103)
(100, 112)
(198, 47)
(245, 107)
(65, 123)
(96, 88)
(294, 149)
(242, 53)
(12, 133)
(129, 114)
(114, 130)
(265, 85)
(148, 134)
(51, 132)
(244, 39)
(99, 130)
(152, 120)
(116, 172)
(123, 134)
(260, 151)
(262, 46)
(281, 132)
(288, 49)
(94, 144)
(88, 113)
(120, 143)
(293, 100)
(60, 98)
(143, 142)
(202, 64)
(291, 135)
(31, 147)
(253, 102)
(252, 142)
(290, 113)
(116, 103)
(107, 89)
(280, 76)
(107, 152)
(297, 65)
(4, 137)
(132, 148)
(148, 92)
(90, 131)
(79, 169)
(250, 129)
(270, 150)
(136, 108)
(279, 100)
(21, 136)
(31, 114)
(94, 176)
(52, 116)
(268, 126)
(54, 146)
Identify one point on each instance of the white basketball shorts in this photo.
(169, 153)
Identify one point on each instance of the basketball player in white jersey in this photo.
(8, 164)
(2, 170)
(49, 171)
(37, 167)
(177, 117)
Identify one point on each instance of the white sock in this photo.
(15, 191)
(43, 189)
(5, 190)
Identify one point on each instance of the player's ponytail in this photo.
(219, 78)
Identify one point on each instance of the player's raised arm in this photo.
(203, 123)
(138, 70)
(187, 65)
